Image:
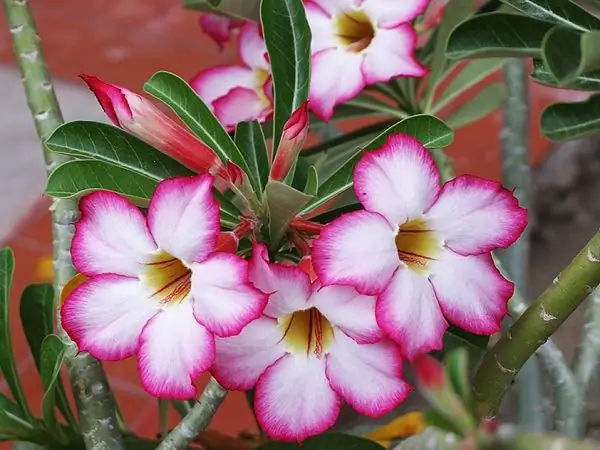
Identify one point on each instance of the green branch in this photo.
(92, 395)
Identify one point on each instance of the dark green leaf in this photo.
(559, 12)
(335, 212)
(592, 7)
(369, 103)
(489, 99)
(287, 36)
(568, 53)
(475, 344)
(189, 107)
(327, 441)
(565, 121)
(51, 360)
(585, 82)
(7, 358)
(457, 368)
(497, 34)
(183, 407)
(312, 182)
(246, 9)
(437, 420)
(37, 318)
(80, 177)
(250, 140)
(284, 204)
(163, 416)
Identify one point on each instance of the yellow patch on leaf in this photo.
(400, 428)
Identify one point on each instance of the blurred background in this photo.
(124, 42)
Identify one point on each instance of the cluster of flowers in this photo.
(375, 286)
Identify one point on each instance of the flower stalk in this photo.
(93, 397)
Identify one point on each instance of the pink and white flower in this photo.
(357, 43)
(422, 248)
(218, 28)
(312, 348)
(157, 287)
(240, 93)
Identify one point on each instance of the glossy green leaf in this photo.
(568, 53)
(80, 177)
(250, 139)
(327, 441)
(457, 368)
(37, 318)
(14, 425)
(189, 107)
(586, 82)
(486, 101)
(246, 9)
(287, 36)
(284, 203)
(559, 12)
(371, 104)
(497, 34)
(8, 364)
(592, 7)
(51, 360)
(566, 121)
(475, 344)
(312, 182)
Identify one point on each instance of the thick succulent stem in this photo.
(92, 395)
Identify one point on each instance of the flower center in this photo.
(168, 278)
(307, 332)
(417, 245)
(354, 30)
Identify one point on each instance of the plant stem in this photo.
(197, 419)
(503, 361)
(92, 395)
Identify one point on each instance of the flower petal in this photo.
(106, 314)
(475, 216)
(111, 236)
(380, 386)
(240, 105)
(336, 77)
(183, 216)
(294, 400)
(400, 180)
(112, 98)
(253, 50)
(357, 249)
(243, 358)
(471, 291)
(174, 351)
(289, 287)
(392, 54)
(321, 28)
(224, 299)
(409, 313)
(216, 82)
(390, 13)
(350, 311)
(331, 7)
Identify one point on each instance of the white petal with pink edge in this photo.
(392, 54)
(350, 311)
(174, 351)
(475, 216)
(216, 82)
(390, 13)
(367, 376)
(106, 314)
(471, 291)
(241, 359)
(294, 400)
(409, 313)
(240, 105)
(183, 216)
(321, 28)
(111, 236)
(331, 7)
(288, 287)
(224, 299)
(336, 77)
(252, 46)
(357, 249)
(399, 181)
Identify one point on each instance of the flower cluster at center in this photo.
(417, 244)
(354, 30)
(307, 332)
(168, 278)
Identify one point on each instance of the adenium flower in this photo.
(293, 137)
(313, 347)
(157, 287)
(357, 43)
(240, 93)
(422, 248)
(140, 117)
(218, 28)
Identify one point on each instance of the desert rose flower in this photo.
(357, 43)
(239, 93)
(313, 347)
(157, 287)
(218, 28)
(424, 249)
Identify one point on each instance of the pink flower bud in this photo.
(218, 28)
(292, 141)
(429, 372)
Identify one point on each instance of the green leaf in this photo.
(437, 420)
(312, 182)
(7, 358)
(189, 107)
(568, 54)
(475, 344)
(284, 203)
(585, 82)
(489, 99)
(327, 441)
(246, 9)
(250, 139)
(457, 368)
(37, 318)
(288, 37)
(80, 177)
(497, 34)
(559, 12)
(472, 73)
(592, 7)
(565, 121)
(51, 360)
